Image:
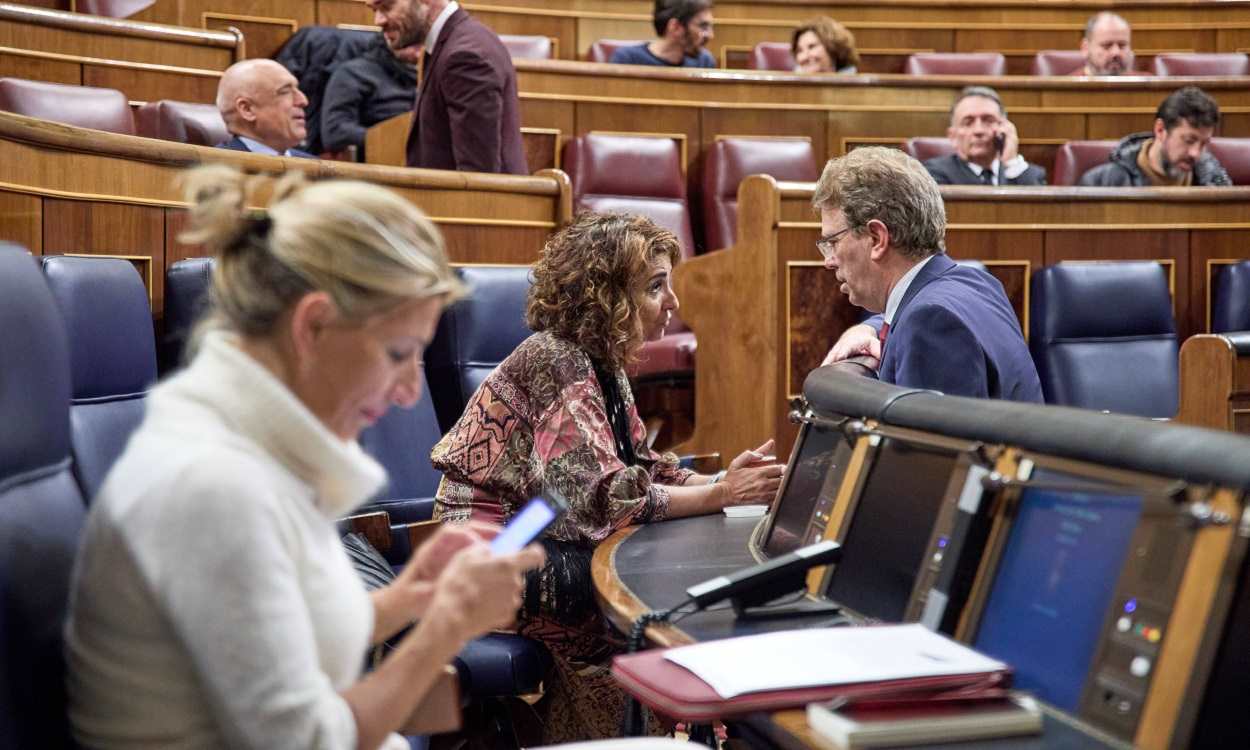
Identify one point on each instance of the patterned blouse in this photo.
(540, 418)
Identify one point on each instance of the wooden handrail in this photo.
(116, 26)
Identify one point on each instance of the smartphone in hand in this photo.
(531, 521)
(1000, 142)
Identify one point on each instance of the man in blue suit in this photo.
(939, 325)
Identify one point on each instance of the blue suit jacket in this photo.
(956, 332)
(236, 144)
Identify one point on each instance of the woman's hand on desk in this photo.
(753, 477)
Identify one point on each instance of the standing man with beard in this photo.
(466, 116)
(1174, 153)
(1106, 47)
(684, 28)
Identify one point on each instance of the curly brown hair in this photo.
(837, 40)
(589, 281)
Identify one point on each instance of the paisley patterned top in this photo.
(540, 419)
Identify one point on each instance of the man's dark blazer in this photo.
(951, 170)
(955, 332)
(236, 144)
(467, 114)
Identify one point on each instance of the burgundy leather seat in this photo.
(1202, 64)
(1234, 154)
(601, 51)
(1056, 62)
(638, 175)
(730, 160)
(83, 106)
(113, 8)
(927, 147)
(772, 56)
(1075, 158)
(527, 47)
(956, 64)
(184, 122)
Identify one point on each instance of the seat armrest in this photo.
(375, 526)
(419, 532)
(704, 463)
(439, 710)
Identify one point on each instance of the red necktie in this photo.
(885, 331)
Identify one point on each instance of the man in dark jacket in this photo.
(467, 114)
(376, 86)
(986, 145)
(1174, 153)
(263, 108)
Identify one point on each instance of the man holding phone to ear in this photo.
(986, 145)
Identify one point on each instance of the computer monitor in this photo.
(1056, 578)
(808, 489)
(889, 529)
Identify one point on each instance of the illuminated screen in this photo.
(1058, 572)
(886, 542)
(823, 452)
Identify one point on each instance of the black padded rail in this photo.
(1165, 449)
(1240, 341)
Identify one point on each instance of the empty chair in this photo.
(771, 56)
(638, 175)
(1056, 62)
(41, 509)
(1234, 155)
(112, 357)
(956, 64)
(186, 296)
(83, 106)
(1103, 337)
(601, 51)
(527, 47)
(925, 148)
(730, 160)
(184, 122)
(1230, 298)
(1075, 158)
(1201, 64)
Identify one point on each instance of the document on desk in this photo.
(828, 656)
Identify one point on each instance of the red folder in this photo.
(677, 692)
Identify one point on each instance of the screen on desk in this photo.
(810, 486)
(1058, 572)
(885, 543)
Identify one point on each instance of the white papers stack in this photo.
(828, 656)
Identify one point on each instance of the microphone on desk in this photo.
(760, 584)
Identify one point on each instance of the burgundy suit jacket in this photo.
(467, 116)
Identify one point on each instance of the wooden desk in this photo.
(788, 311)
(72, 190)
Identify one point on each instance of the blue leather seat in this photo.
(1230, 300)
(112, 357)
(1103, 336)
(186, 296)
(41, 509)
(475, 335)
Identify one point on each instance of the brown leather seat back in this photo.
(956, 64)
(732, 159)
(527, 47)
(927, 147)
(1056, 62)
(1075, 158)
(772, 56)
(601, 51)
(184, 122)
(84, 106)
(1201, 64)
(1234, 154)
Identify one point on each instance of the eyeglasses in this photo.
(826, 245)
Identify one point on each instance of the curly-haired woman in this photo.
(822, 45)
(558, 412)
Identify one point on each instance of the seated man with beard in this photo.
(683, 28)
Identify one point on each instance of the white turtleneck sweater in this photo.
(213, 605)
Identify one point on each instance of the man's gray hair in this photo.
(982, 91)
(886, 184)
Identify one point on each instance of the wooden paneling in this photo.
(148, 84)
(19, 65)
(264, 36)
(22, 218)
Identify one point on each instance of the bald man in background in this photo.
(263, 108)
(1107, 47)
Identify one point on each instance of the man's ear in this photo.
(245, 109)
(310, 317)
(950, 134)
(880, 235)
(673, 28)
(1161, 132)
(1085, 49)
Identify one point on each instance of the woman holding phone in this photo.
(558, 413)
(213, 605)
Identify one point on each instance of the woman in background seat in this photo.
(213, 605)
(558, 413)
(822, 45)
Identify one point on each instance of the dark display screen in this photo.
(889, 533)
(808, 482)
(1058, 572)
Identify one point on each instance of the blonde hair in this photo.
(362, 244)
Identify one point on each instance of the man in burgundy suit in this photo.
(466, 115)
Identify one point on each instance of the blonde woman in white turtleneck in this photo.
(213, 605)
